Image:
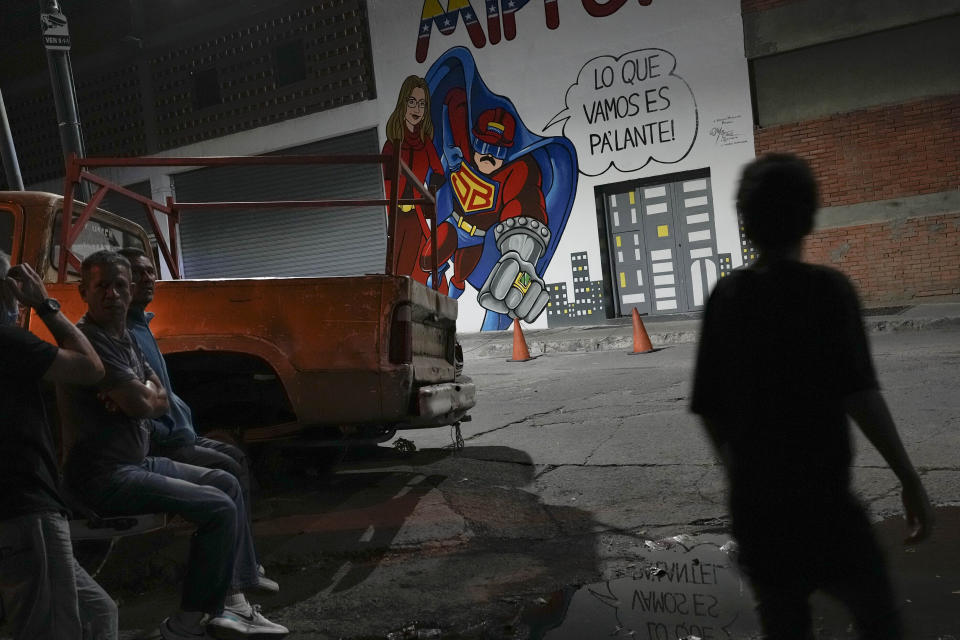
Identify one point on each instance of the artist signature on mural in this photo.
(724, 131)
(722, 136)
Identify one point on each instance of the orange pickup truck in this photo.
(308, 360)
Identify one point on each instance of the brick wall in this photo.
(896, 261)
(877, 153)
(883, 153)
(746, 6)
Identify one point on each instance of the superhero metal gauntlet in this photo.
(513, 287)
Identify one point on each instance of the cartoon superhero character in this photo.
(411, 127)
(507, 198)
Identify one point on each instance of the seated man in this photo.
(108, 467)
(172, 435)
(44, 592)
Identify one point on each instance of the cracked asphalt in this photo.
(571, 463)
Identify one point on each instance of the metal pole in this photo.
(8, 152)
(65, 97)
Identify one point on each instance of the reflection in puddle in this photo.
(684, 586)
(689, 587)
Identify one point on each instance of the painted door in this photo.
(663, 246)
(696, 239)
(664, 256)
(628, 251)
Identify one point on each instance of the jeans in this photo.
(213, 454)
(45, 593)
(221, 549)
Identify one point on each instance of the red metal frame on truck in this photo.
(77, 170)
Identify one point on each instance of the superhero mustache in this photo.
(487, 158)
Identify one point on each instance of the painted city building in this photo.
(587, 304)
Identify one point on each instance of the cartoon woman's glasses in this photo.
(413, 103)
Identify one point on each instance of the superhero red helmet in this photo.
(493, 133)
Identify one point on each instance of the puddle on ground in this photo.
(683, 586)
(689, 587)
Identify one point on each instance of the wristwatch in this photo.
(47, 307)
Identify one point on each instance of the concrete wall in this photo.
(774, 26)
(139, 90)
(887, 67)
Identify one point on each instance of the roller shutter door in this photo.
(285, 242)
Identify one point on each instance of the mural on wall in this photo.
(587, 304)
(497, 13)
(625, 111)
(507, 195)
(609, 102)
(411, 128)
(748, 251)
(446, 20)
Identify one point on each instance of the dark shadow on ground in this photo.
(381, 540)
(495, 546)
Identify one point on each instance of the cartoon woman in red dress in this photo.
(410, 126)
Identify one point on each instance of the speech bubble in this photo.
(626, 111)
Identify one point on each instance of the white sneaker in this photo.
(170, 630)
(243, 623)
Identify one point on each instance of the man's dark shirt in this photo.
(104, 439)
(781, 346)
(28, 467)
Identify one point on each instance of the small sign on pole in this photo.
(56, 35)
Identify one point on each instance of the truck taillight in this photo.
(401, 335)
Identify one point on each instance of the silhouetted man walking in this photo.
(783, 360)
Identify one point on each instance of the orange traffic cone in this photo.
(641, 341)
(520, 351)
